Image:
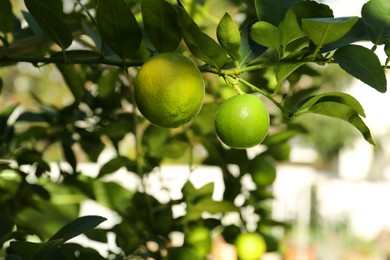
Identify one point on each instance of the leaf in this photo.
(118, 27)
(266, 34)
(74, 79)
(290, 28)
(285, 70)
(161, 24)
(191, 194)
(273, 11)
(194, 212)
(375, 14)
(336, 97)
(323, 31)
(49, 16)
(77, 227)
(311, 9)
(356, 34)
(6, 16)
(229, 37)
(337, 105)
(115, 164)
(363, 64)
(7, 224)
(200, 44)
(249, 49)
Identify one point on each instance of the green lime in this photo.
(242, 121)
(200, 239)
(250, 246)
(169, 90)
(262, 170)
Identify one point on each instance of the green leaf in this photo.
(115, 164)
(161, 24)
(249, 49)
(375, 14)
(266, 34)
(118, 27)
(229, 37)
(336, 97)
(273, 11)
(358, 33)
(283, 71)
(7, 224)
(311, 9)
(337, 105)
(73, 77)
(49, 16)
(191, 194)
(77, 227)
(195, 211)
(363, 64)
(200, 44)
(290, 28)
(6, 16)
(323, 31)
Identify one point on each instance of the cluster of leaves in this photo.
(97, 47)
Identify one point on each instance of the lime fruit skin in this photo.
(200, 239)
(242, 121)
(169, 90)
(250, 246)
(262, 170)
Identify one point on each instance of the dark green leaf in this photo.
(115, 164)
(229, 36)
(311, 9)
(323, 31)
(375, 14)
(80, 56)
(363, 64)
(49, 16)
(273, 11)
(77, 227)
(6, 16)
(118, 27)
(249, 49)
(283, 71)
(69, 155)
(73, 77)
(4, 116)
(161, 24)
(200, 44)
(35, 27)
(7, 224)
(266, 34)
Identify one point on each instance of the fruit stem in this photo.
(285, 111)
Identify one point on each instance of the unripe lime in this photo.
(169, 90)
(200, 239)
(242, 121)
(262, 170)
(250, 246)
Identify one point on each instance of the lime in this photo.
(262, 170)
(242, 121)
(200, 239)
(169, 90)
(250, 246)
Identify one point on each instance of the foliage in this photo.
(98, 46)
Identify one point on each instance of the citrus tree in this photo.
(174, 78)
